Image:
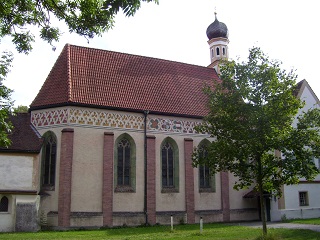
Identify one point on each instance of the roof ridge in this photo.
(69, 73)
(137, 55)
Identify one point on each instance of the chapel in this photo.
(117, 132)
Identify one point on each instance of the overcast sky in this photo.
(176, 30)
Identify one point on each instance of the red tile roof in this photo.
(106, 79)
(24, 137)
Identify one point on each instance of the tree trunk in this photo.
(262, 208)
(263, 211)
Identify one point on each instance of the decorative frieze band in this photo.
(108, 119)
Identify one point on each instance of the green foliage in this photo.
(251, 118)
(5, 100)
(20, 109)
(87, 18)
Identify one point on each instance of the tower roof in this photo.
(217, 29)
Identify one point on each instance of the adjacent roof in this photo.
(105, 79)
(24, 137)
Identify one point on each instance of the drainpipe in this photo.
(145, 166)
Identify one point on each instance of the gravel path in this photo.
(281, 225)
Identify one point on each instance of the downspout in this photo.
(146, 112)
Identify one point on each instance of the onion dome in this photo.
(217, 29)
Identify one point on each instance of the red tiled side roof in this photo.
(24, 138)
(115, 80)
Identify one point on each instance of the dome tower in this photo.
(217, 33)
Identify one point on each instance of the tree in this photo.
(5, 100)
(20, 109)
(87, 18)
(251, 113)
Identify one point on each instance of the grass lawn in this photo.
(210, 231)
(314, 221)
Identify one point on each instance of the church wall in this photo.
(89, 128)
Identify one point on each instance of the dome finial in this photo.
(215, 13)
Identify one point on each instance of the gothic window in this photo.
(223, 51)
(206, 181)
(125, 152)
(169, 166)
(4, 204)
(49, 152)
(212, 53)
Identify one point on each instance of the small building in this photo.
(300, 200)
(19, 177)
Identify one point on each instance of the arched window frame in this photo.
(224, 51)
(4, 204)
(173, 184)
(49, 159)
(206, 179)
(125, 185)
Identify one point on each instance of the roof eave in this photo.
(113, 108)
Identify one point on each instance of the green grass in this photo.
(210, 231)
(313, 221)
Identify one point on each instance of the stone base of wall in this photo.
(95, 219)
(303, 213)
(248, 214)
(26, 217)
(128, 218)
(209, 216)
(178, 217)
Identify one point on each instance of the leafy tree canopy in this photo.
(87, 18)
(5, 99)
(20, 109)
(251, 120)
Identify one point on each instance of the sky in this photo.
(176, 30)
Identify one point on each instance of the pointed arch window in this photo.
(49, 152)
(206, 179)
(169, 166)
(218, 51)
(4, 204)
(125, 158)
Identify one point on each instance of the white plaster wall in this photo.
(16, 172)
(292, 195)
(236, 197)
(87, 167)
(7, 218)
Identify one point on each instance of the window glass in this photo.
(49, 151)
(124, 162)
(4, 204)
(303, 199)
(169, 166)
